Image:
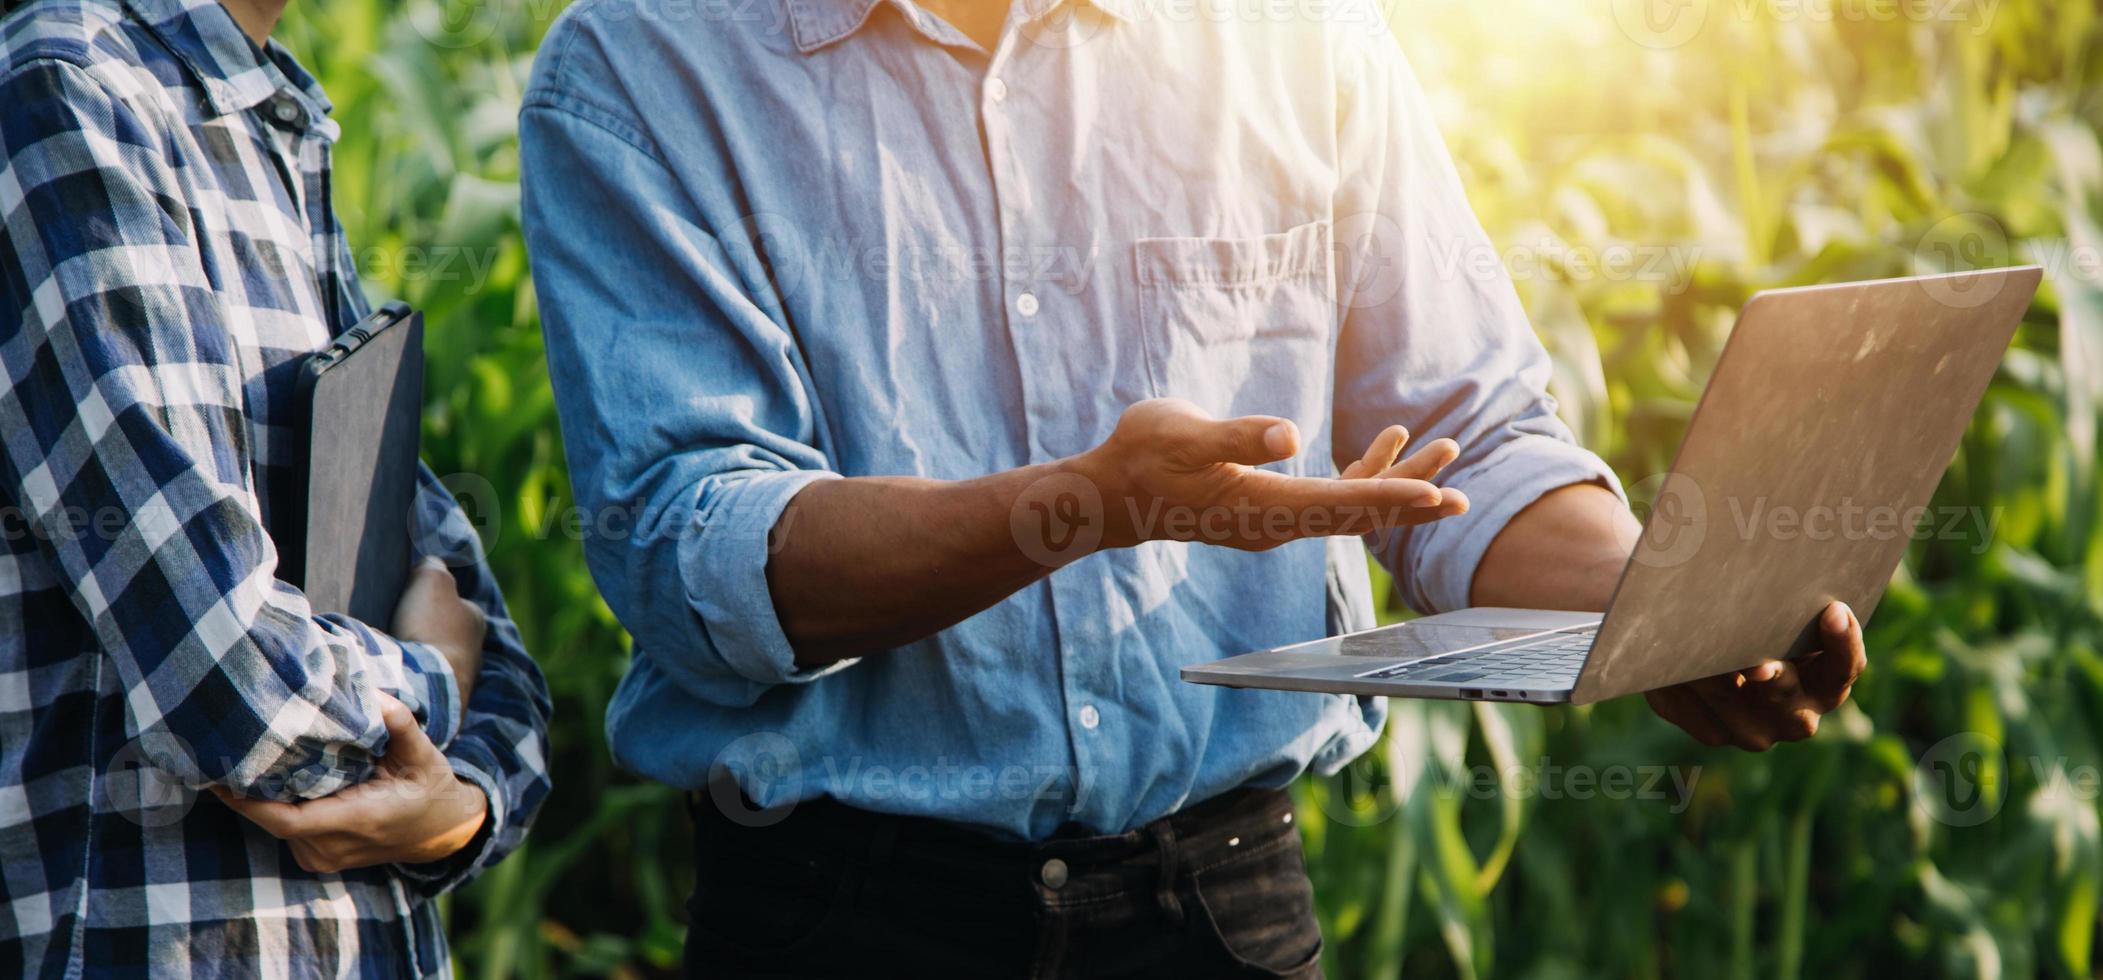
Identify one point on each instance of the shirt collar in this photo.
(235, 75)
(1122, 10)
(817, 23)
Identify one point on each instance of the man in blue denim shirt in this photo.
(944, 376)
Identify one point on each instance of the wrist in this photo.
(1100, 471)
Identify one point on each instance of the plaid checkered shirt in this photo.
(168, 251)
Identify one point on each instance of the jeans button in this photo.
(1053, 874)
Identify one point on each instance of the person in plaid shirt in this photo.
(198, 774)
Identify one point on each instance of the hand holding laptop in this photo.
(1707, 614)
(1777, 701)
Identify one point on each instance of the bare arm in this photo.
(865, 564)
(873, 562)
(1566, 551)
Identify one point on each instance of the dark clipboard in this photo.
(358, 417)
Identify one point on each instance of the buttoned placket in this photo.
(1032, 313)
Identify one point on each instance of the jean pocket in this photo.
(1260, 906)
(1240, 326)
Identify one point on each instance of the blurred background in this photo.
(1643, 166)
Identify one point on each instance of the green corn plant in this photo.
(1766, 151)
(1643, 185)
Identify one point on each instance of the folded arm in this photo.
(439, 818)
(127, 446)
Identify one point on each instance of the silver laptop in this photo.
(1831, 416)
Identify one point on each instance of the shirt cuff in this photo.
(1442, 556)
(473, 765)
(430, 691)
(724, 566)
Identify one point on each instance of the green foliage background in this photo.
(1641, 191)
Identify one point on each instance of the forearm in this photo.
(869, 563)
(1566, 551)
(866, 564)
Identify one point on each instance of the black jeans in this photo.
(1218, 890)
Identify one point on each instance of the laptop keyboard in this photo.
(1551, 660)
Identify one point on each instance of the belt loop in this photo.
(1164, 834)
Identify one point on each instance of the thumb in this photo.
(1251, 440)
(407, 744)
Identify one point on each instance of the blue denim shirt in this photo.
(801, 240)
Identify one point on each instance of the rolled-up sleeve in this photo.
(1433, 334)
(725, 565)
(686, 411)
(126, 398)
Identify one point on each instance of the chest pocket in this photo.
(1240, 326)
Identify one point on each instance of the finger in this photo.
(1452, 503)
(1251, 440)
(1745, 724)
(1775, 693)
(1380, 455)
(1427, 461)
(1776, 681)
(1680, 707)
(1312, 493)
(285, 821)
(1831, 674)
(316, 858)
(408, 745)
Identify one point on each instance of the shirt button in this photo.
(1026, 304)
(286, 110)
(1090, 717)
(1053, 874)
(996, 89)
